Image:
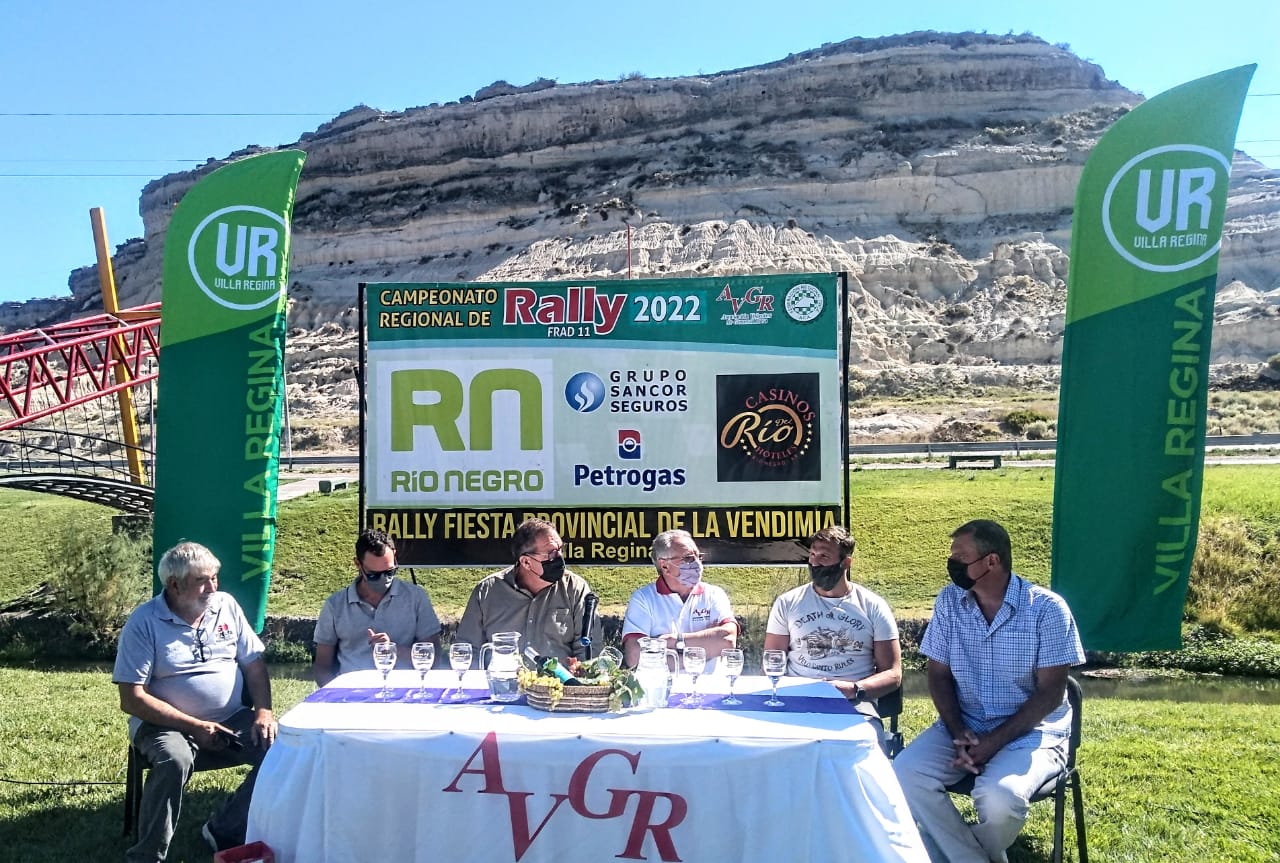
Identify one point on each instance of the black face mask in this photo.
(553, 570)
(826, 577)
(959, 572)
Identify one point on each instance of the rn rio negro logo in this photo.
(236, 255)
(1160, 211)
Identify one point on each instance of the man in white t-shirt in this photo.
(679, 606)
(835, 630)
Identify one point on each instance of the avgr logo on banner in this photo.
(236, 254)
(1158, 208)
(768, 428)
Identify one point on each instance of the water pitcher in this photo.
(502, 664)
(653, 672)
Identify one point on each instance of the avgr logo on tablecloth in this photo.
(768, 428)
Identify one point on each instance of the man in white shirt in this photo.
(836, 630)
(679, 606)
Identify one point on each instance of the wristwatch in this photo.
(859, 694)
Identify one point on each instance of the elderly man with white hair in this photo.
(679, 606)
(184, 661)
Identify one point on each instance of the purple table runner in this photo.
(410, 695)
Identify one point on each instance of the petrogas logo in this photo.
(1160, 210)
(236, 255)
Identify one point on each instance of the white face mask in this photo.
(690, 573)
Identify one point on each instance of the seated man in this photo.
(999, 648)
(679, 605)
(184, 658)
(536, 597)
(837, 630)
(377, 606)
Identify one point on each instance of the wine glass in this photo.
(459, 661)
(731, 664)
(775, 665)
(695, 662)
(384, 659)
(424, 656)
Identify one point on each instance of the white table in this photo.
(402, 782)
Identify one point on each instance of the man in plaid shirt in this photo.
(999, 648)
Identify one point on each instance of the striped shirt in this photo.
(994, 665)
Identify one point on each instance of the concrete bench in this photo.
(983, 462)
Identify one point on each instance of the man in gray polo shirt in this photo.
(185, 657)
(375, 607)
(537, 597)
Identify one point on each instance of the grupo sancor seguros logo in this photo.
(584, 392)
(1158, 207)
(236, 255)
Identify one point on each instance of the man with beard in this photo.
(536, 597)
(184, 660)
(376, 607)
(836, 630)
(679, 606)
(999, 648)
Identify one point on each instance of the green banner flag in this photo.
(1135, 359)
(226, 262)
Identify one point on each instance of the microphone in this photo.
(588, 618)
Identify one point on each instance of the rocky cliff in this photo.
(938, 169)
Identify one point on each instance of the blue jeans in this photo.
(173, 757)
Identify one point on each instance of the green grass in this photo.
(1164, 782)
(29, 522)
(901, 518)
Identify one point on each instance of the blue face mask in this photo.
(690, 573)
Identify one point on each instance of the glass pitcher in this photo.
(652, 671)
(503, 661)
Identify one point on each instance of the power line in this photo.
(90, 161)
(71, 176)
(169, 114)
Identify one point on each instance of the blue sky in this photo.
(100, 98)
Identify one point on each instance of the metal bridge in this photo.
(69, 405)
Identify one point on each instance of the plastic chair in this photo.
(889, 706)
(1056, 787)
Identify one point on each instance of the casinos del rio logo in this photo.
(769, 428)
(630, 391)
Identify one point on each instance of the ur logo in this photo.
(237, 255)
(1163, 209)
(584, 392)
(628, 443)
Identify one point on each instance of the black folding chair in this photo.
(1056, 787)
(889, 706)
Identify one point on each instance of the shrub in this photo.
(1018, 420)
(1210, 651)
(1235, 577)
(97, 580)
(1273, 362)
(1038, 430)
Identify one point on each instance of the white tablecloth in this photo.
(403, 783)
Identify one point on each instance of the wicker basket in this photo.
(576, 699)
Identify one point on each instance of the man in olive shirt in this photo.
(537, 597)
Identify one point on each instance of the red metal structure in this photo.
(50, 369)
(51, 373)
